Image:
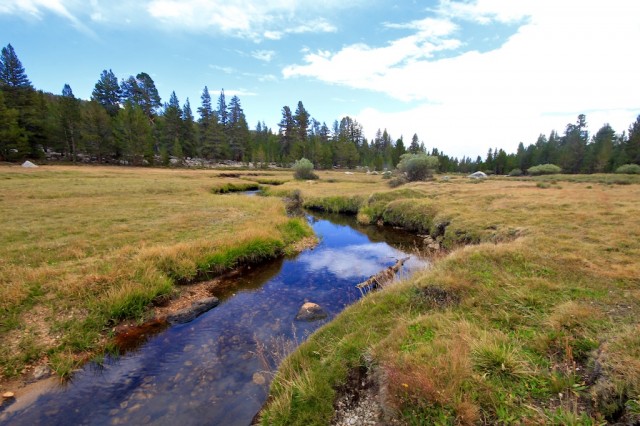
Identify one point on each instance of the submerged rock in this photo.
(259, 379)
(196, 309)
(310, 312)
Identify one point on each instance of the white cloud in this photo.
(255, 20)
(272, 35)
(37, 8)
(270, 19)
(566, 58)
(353, 262)
(428, 27)
(263, 55)
(318, 26)
(486, 11)
(239, 93)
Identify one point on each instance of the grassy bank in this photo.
(537, 322)
(85, 247)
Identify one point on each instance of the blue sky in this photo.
(464, 75)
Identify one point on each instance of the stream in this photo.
(217, 368)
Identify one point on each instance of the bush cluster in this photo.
(515, 172)
(544, 169)
(417, 166)
(303, 169)
(629, 169)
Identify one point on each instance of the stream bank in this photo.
(218, 367)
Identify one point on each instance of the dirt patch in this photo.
(358, 402)
(436, 297)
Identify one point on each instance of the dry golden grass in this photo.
(91, 245)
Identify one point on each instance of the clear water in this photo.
(210, 371)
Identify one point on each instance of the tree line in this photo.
(125, 122)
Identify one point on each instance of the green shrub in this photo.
(303, 169)
(544, 169)
(629, 169)
(515, 172)
(397, 181)
(417, 166)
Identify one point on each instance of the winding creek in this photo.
(217, 368)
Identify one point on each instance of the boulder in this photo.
(310, 312)
(28, 164)
(196, 309)
(478, 175)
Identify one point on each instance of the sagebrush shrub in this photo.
(544, 169)
(629, 169)
(303, 169)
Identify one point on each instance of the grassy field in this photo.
(532, 317)
(83, 248)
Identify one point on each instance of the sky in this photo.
(464, 75)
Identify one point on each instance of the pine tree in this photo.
(173, 125)
(97, 131)
(399, 150)
(573, 146)
(222, 110)
(133, 134)
(287, 133)
(19, 95)
(238, 130)
(107, 92)
(70, 120)
(301, 119)
(601, 150)
(632, 145)
(141, 90)
(13, 138)
(12, 73)
(189, 136)
(414, 147)
(211, 137)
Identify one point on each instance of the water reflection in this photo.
(210, 371)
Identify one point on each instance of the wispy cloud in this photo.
(239, 93)
(263, 55)
(226, 70)
(251, 19)
(269, 19)
(36, 9)
(317, 26)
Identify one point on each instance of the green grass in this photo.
(87, 247)
(226, 188)
(335, 204)
(493, 333)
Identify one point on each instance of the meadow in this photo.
(528, 315)
(83, 248)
